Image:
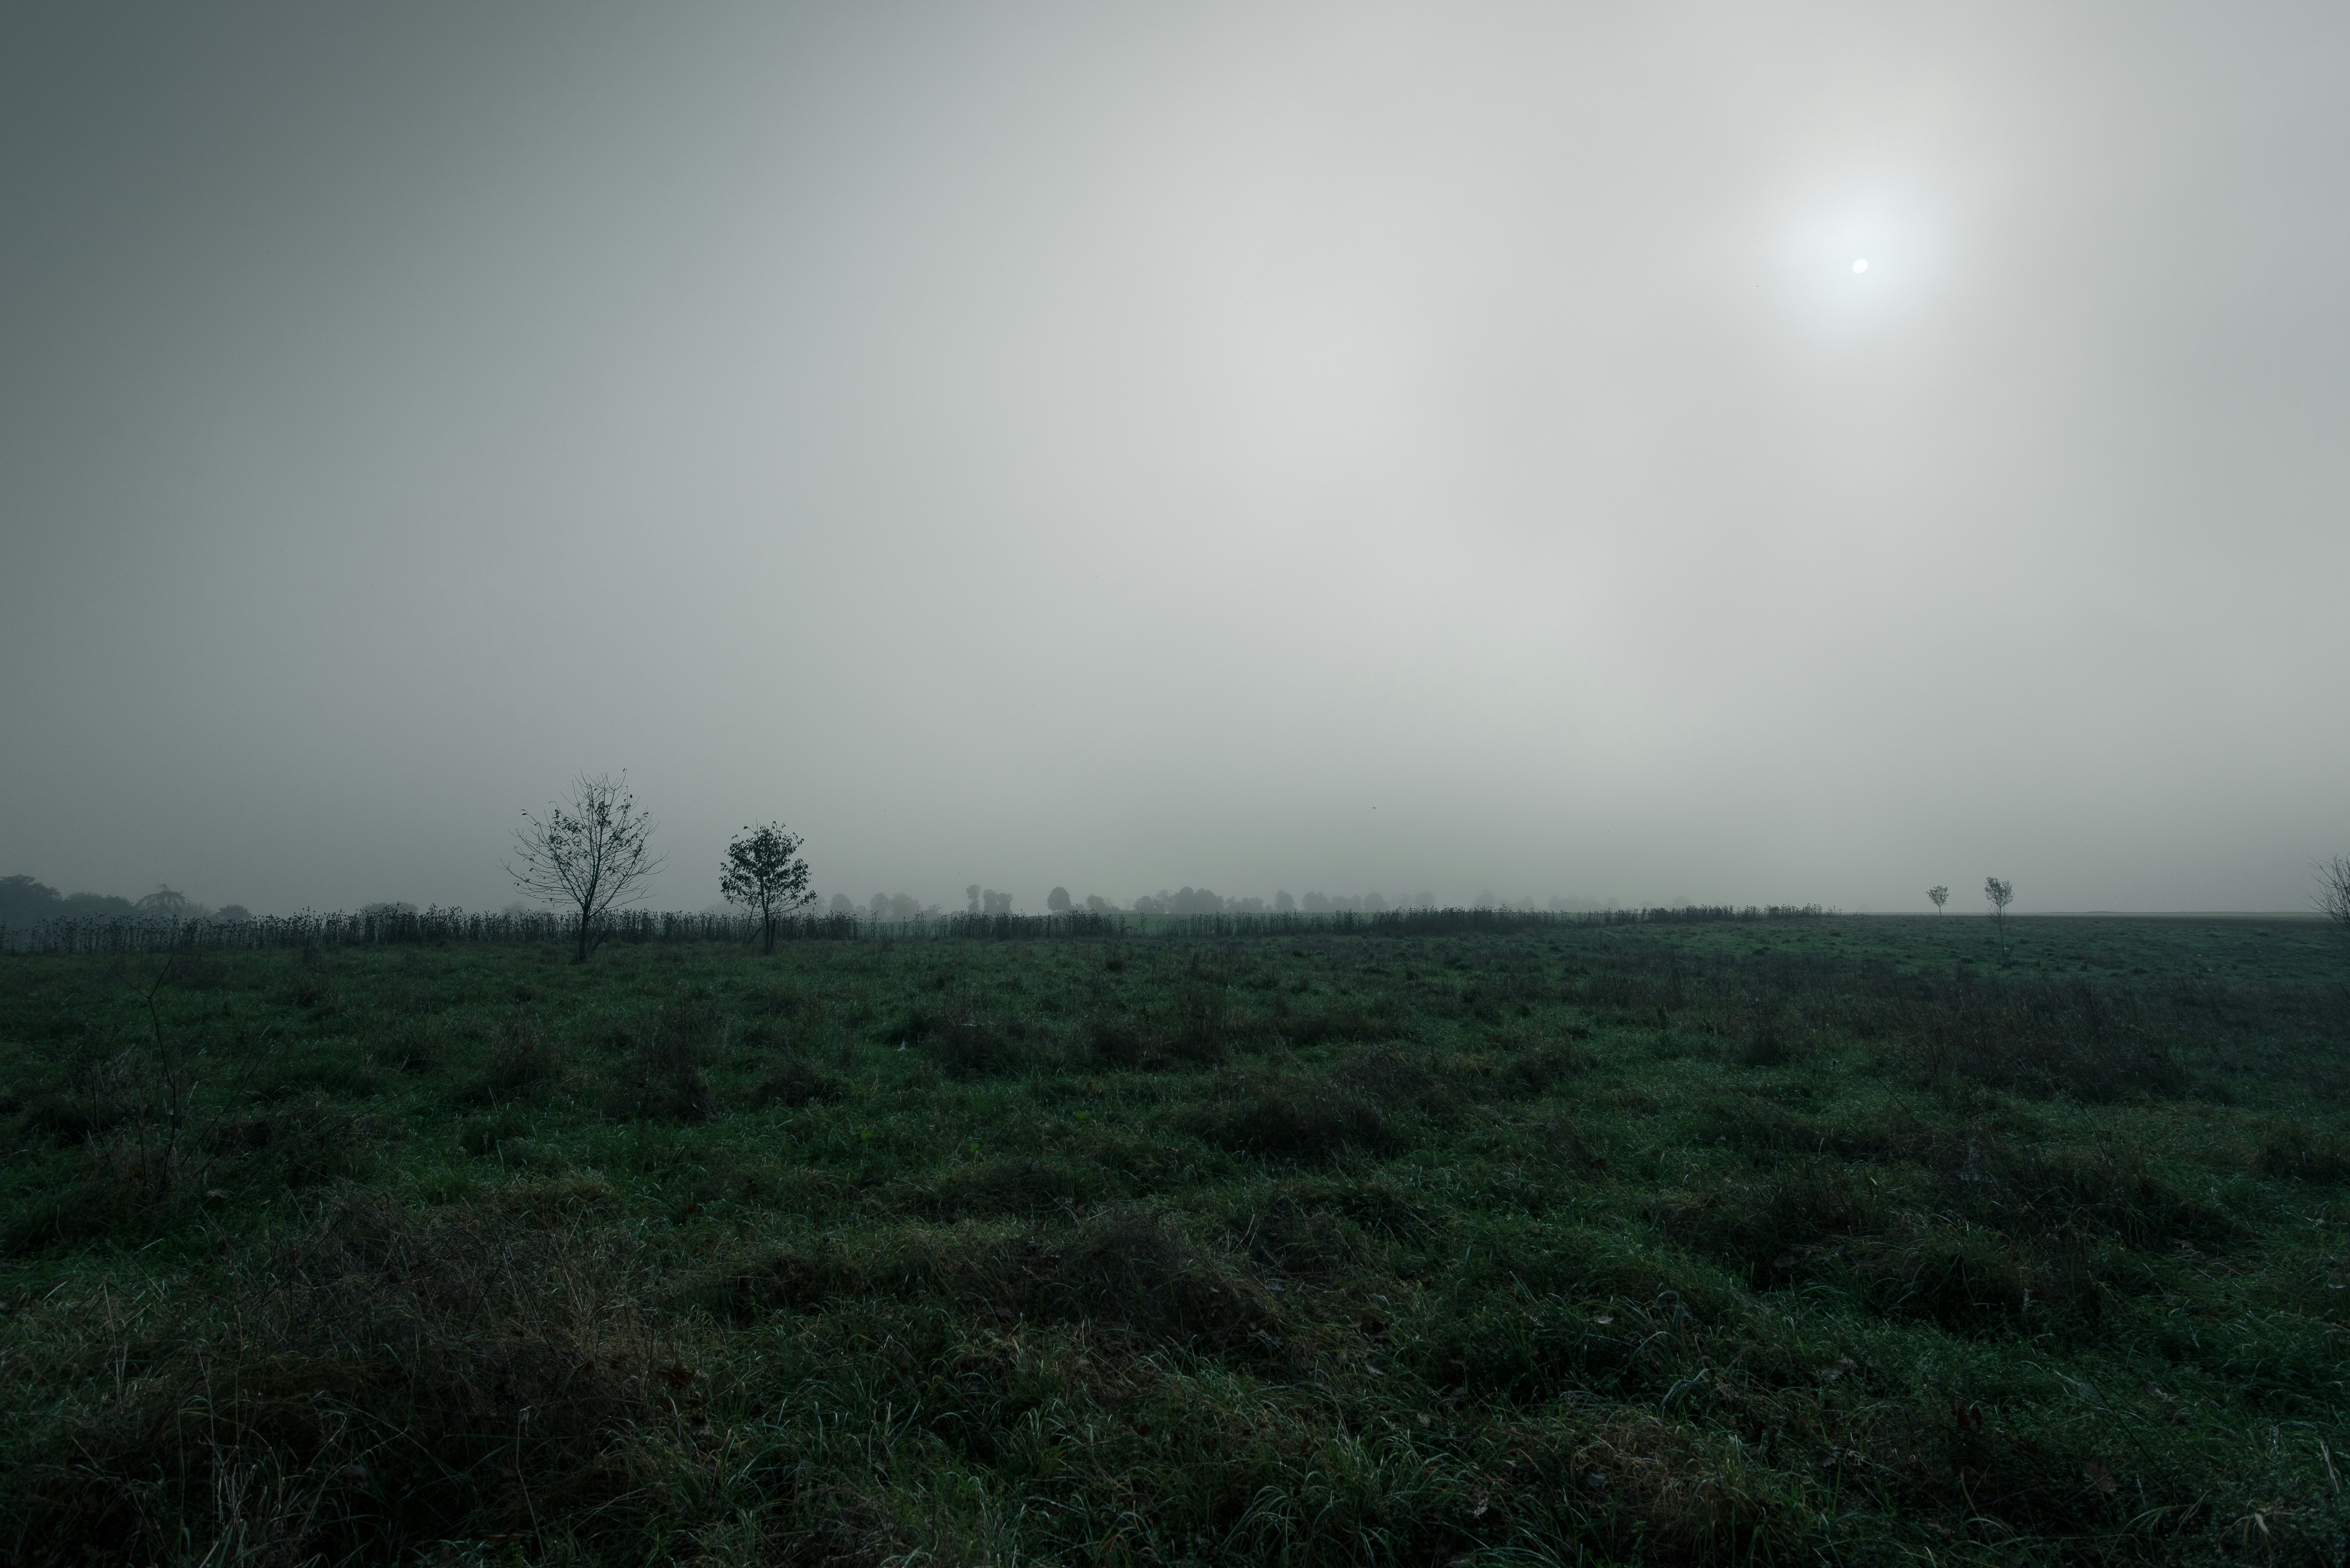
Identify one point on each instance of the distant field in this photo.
(1834, 1238)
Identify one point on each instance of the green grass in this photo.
(1753, 1242)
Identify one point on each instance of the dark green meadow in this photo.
(1852, 1239)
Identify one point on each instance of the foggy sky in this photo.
(1259, 447)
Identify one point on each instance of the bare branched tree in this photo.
(2334, 891)
(589, 853)
(1940, 896)
(762, 871)
(1999, 895)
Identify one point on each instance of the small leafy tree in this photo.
(1999, 895)
(762, 871)
(1940, 896)
(591, 852)
(1058, 900)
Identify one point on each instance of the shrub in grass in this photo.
(1961, 1277)
(1333, 1021)
(522, 1060)
(378, 1376)
(1771, 1233)
(660, 1081)
(110, 1195)
(1302, 1240)
(304, 1145)
(1114, 1043)
(63, 1118)
(1765, 1045)
(658, 1068)
(690, 1026)
(413, 1044)
(794, 1084)
(2061, 1037)
(1131, 1269)
(2291, 1152)
(1541, 1066)
(2090, 1191)
(482, 1135)
(1384, 1073)
(1322, 1228)
(1122, 1269)
(746, 1289)
(1289, 1116)
(1020, 1187)
(311, 990)
(1403, 1084)
(964, 1040)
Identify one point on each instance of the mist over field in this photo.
(1323, 449)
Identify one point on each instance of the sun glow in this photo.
(1861, 262)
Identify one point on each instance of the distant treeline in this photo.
(395, 925)
(26, 901)
(1188, 900)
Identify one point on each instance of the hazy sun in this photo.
(1862, 260)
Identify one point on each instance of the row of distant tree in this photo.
(979, 900)
(592, 854)
(24, 901)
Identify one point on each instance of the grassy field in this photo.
(1844, 1238)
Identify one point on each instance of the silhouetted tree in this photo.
(1097, 904)
(1283, 904)
(1999, 895)
(96, 905)
(1186, 901)
(591, 852)
(2334, 891)
(972, 893)
(23, 901)
(762, 871)
(1058, 900)
(1940, 896)
(168, 904)
(841, 905)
